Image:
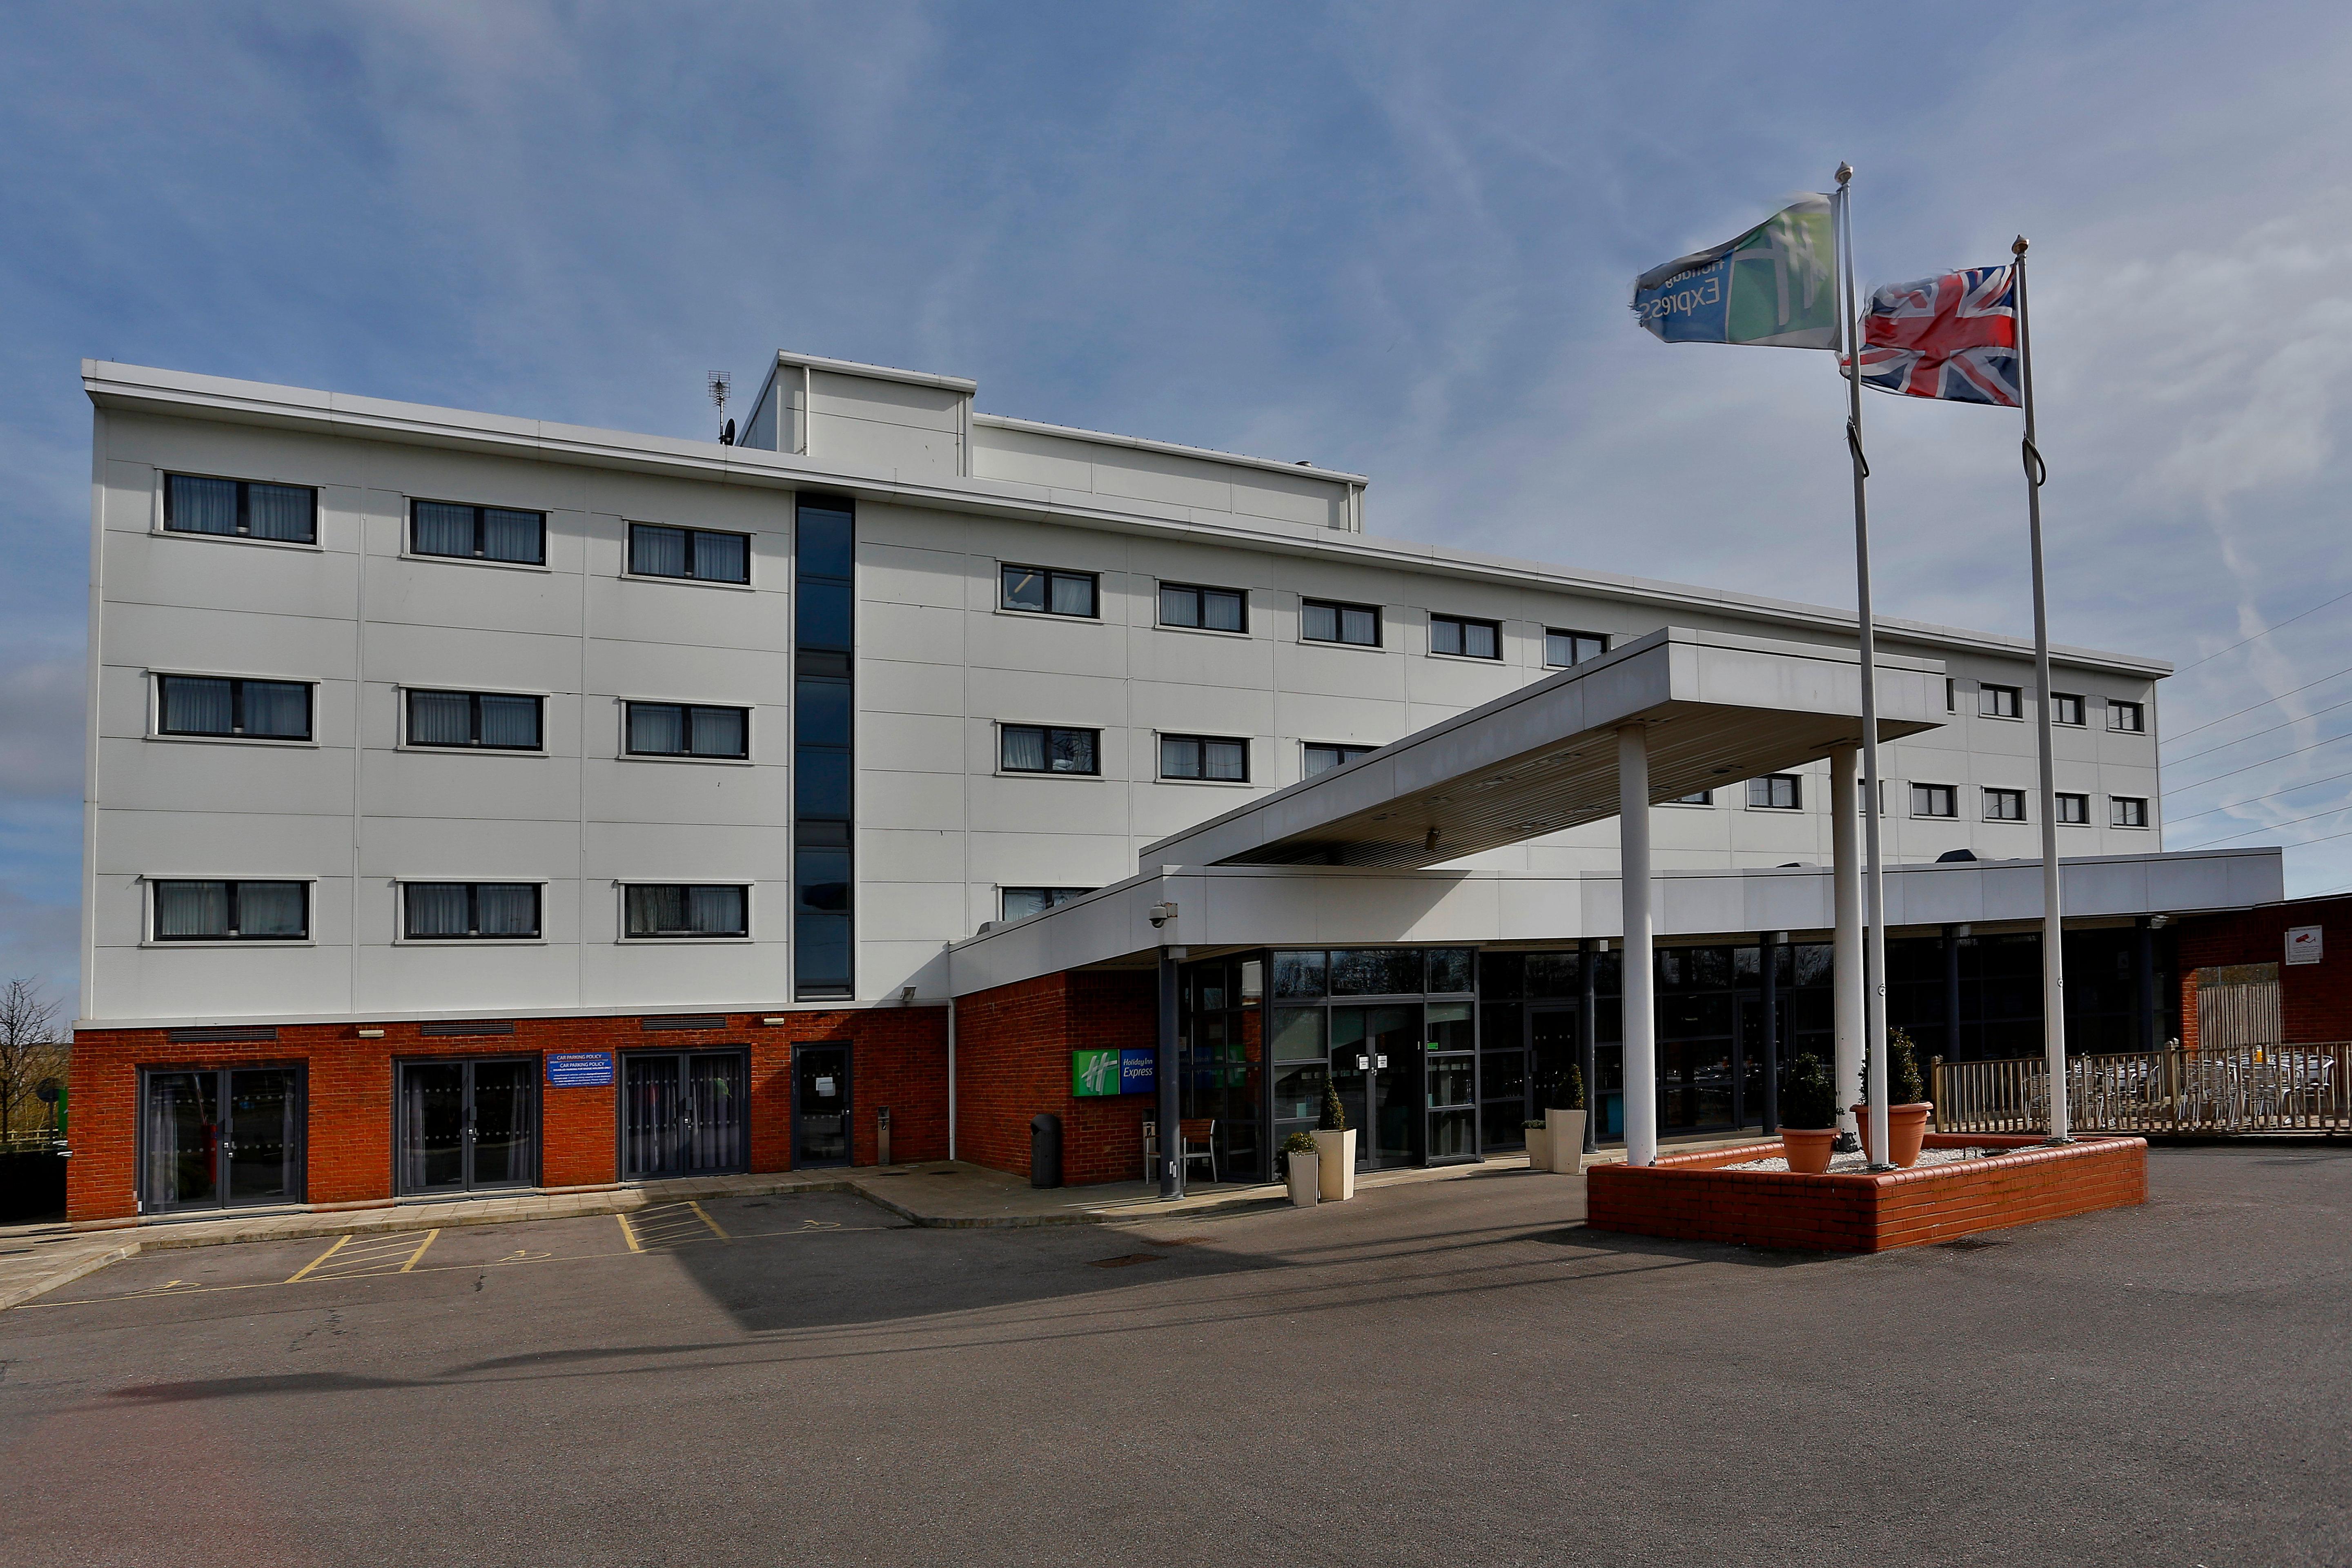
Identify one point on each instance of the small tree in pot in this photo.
(1907, 1106)
(1335, 1140)
(1302, 1170)
(1807, 1114)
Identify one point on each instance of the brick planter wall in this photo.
(897, 1059)
(1013, 1062)
(1692, 1197)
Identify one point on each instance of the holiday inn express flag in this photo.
(1772, 286)
(1953, 337)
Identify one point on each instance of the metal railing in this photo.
(2244, 1088)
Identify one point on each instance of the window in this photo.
(2004, 806)
(688, 729)
(1775, 792)
(1563, 649)
(1997, 701)
(1040, 749)
(241, 508)
(212, 705)
(232, 911)
(1208, 609)
(2074, 808)
(1041, 592)
(2129, 716)
(1934, 800)
(1203, 757)
(1019, 903)
(1696, 797)
(2126, 811)
(452, 911)
(825, 555)
(691, 553)
(492, 720)
(1951, 695)
(670, 908)
(1322, 759)
(2065, 709)
(477, 532)
(1323, 620)
(1471, 640)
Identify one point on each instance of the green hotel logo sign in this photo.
(1094, 1072)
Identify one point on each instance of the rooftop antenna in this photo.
(722, 382)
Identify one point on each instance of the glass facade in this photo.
(825, 543)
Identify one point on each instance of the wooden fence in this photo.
(2244, 1088)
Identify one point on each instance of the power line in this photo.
(2250, 767)
(2251, 706)
(2255, 800)
(2258, 734)
(2274, 827)
(2265, 632)
(2298, 844)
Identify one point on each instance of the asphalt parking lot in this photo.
(1437, 1372)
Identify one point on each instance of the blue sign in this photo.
(1138, 1072)
(580, 1069)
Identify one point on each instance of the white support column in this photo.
(1845, 978)
(1640, 973)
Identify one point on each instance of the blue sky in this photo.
(1394, 239)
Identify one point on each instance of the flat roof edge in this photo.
(878, 372)
(1173, 448)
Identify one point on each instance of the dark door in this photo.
(1552, 1053)
(685, 1113)
(1450, 1082)
(1376, 1066)
(1750, 1039)
(221, 1136)
(821, 1125)
(467, 1124)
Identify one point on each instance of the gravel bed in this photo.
(1855, 1165)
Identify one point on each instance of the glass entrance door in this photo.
(1749, 1095)
(685, 1113)
(821, 1124)
(1376, 1067)
(467, 1124)
(215, 1137)
(1451, 1082)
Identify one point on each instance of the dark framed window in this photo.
(1935, 800)
(825, 564)
(1563, 648)
(1466, 639)
(2127, 717)
(1322, 759)
(2065, 709)
(466, 532)
(240, 508)
(2126, 811)
(686, 730)
(1951, 695)
(1999, 702)
(1047, 748)
(1776, 792)
(220, 705)
(1204, 757)
(492, 720)
(188, 910)
(685, 909)
(1042, 591)
(1203, 609)
(2074, 808)
(1018, 902)
(1327, 620)
(2004, 806)
(696, 555)
(1696, 797)
(462, 911)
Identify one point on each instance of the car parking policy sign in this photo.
(2303, 944)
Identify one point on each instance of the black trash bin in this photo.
(1046, 1150)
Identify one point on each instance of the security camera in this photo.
(1162, 913)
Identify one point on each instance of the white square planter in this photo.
(1336, 1152)
(1305, 1180)
(1564, 1138)
(1539, 1150)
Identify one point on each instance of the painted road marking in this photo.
(673, 1225)
(715, 1227)
(420, 1249)
(303, 1272)
(628, 1233)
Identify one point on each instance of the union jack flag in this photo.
(1953, 337)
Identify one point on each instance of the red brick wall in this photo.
(2314, 999)
(1013, 1062)
(897, 1059)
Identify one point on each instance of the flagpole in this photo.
(2053, 941)
(1873, 882)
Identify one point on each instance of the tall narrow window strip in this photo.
(824, 913)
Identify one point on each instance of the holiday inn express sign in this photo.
(1109, 1072)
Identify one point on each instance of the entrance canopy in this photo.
(1716, 708)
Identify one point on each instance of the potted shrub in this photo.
(1335, 1140)
(1538, 1159)
(1302, 1167)
(1807, 1114)
(1564, 1125)
(1907, 1106)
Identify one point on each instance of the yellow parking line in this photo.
(629, 1233)
(306, 1268)
(420, 1249)
(708, 1220)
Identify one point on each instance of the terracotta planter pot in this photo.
(1906, 1126)
(1808, 1148)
